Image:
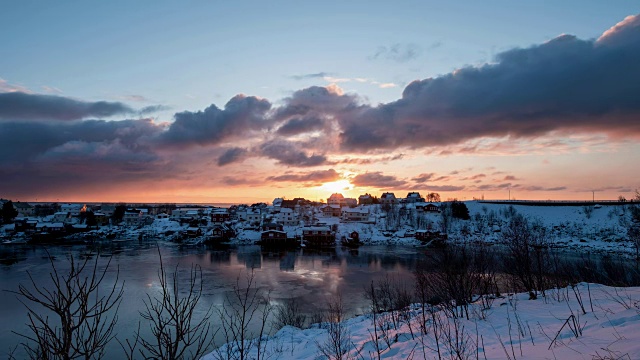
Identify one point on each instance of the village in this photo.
(284, 222)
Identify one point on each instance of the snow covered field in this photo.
(554, 327)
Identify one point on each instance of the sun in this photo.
(337, 186)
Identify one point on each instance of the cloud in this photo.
(318, 75)
(510, 178)
(422, 178)
(289, 153)
(232, 155)
(371, 160)
(397, 52)
(317, 177)
(387, 85)
(297, 126)
(240, 116)
(566, 84)
(542, 188)
(23, 106)
(377, 179)
(153, 109)
(5, 86)
(445, 188)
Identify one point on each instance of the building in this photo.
(73, 209)
(287, 217)
(331, 210)
(365, 199)
(24, 209)
(427, 207)
(358, 214)
(335, 199)
(132, 216)
(220, 216)
(273, 234)
(388, 198)
(413, 197)
(318, 236)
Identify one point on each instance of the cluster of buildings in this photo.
(214, 222)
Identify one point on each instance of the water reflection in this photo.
(311, 276)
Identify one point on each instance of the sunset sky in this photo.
(212, 102)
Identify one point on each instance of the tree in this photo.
(8, 212)
(80, 316)
(459, 210)
(433, 197)
(90, 219)
(118, 214)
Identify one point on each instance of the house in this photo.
(101, 218)
(335, 199)
(193, 231)
(254, 215)
(73, 209)
(132, 216)
(220, 216)
(331, 210)
(358, 214)
(388, 198)
(186, 213)
(365, 199)
(277, 202)
(162, 216)
(51, 227)
(413, 197)
(318, 236)
(273, 234)
(24, 209)
(61, 216)
(220, 233)
(287, 217)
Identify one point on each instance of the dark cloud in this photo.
(153, 109)
(564, 84)
(377, 179)
(542, 188)
(38, 157)
(318, 75)
(510, 178)
(316, 177)
(232, 155)
(22, 106)
(240, 115)
(371, 160)
(397, 52)
(289, 153)
(422, 178)
(445, 188)
(297, 126)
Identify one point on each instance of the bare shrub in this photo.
(288, 314)
(338, 342)
(244, 306)
(73, 319)
(528, 258)
(175, 333)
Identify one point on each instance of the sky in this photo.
(240, 102)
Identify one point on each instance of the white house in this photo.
(358, 214)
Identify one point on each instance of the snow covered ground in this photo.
(555, 327)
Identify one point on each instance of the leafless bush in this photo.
(338, 342)
(528, 258)
(170, 315)
(72, 319)
(458, 277)
(244, 306)
(288, 313)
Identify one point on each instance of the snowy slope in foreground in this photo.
(514, 328)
